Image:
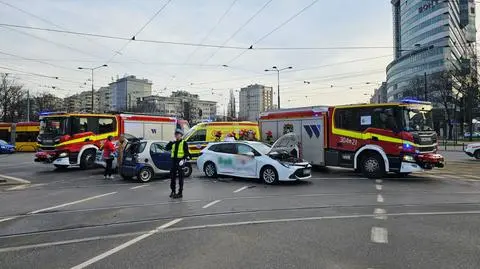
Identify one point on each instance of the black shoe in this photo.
(178, 195)
(172, 194)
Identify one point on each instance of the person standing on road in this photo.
(122, 142)
(179, 154)
(108, 150)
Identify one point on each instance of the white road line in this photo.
(138, 187)
(125, 245)
(6, 219)
(378, 187)
(241, 189)
(72, 203)
(380, 213)
(66, 242)
(210, 204)
(20, 180)
(380, 198)
(477, 177)
(378, 181)
(25, 186)
(379, 235)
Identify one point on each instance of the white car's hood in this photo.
(285, 142)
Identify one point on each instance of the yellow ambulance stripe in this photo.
(91, 138)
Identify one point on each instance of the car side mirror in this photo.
(249, 154)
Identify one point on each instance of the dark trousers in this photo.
(176, 169)
(108, 168)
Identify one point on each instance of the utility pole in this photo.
(28, 105)
(276, 69)
(425, 85)
(92, 69)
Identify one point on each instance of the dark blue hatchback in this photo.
(145, 159)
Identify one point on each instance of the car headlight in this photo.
(3, 147)
(409, 158)
(57, 140)
(63, 154)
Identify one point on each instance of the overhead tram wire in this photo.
(239, 29)
(49, 22)
(207, 36)
(42, 62)
(164, 42)
(139, 31)
(274, 30)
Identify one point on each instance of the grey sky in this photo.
(327, 23)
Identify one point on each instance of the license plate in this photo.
(47, 141)
(307, 171)
(128, 159)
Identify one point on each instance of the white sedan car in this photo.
(253, 160)
(473, 150)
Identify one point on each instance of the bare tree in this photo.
(415, 88)
(11, 95)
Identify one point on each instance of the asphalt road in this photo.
(75, 219)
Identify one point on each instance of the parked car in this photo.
(6, 147)
(475, 134)
(250, 159)
(473, 150)
(145, 159)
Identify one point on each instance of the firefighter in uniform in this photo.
(179, 154)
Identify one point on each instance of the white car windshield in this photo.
(261, 147)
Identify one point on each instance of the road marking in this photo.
(380, 198)
(241, 189)
(25, 186)
(72, 203)
(380, 213)
(378, 187)
(6, 219)
(138, 187)
(20, 180)
(379, 235)
(126, 244)
(477, 177)
(378, 181)
(66, 242)
(210, 204)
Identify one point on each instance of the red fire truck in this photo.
(72, 139)
(372, 138)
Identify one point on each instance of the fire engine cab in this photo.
(371, 138)
(72, 139)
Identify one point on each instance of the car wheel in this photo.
(269, 175)
(187, 170)
(373, 166)
(210, 170)
(145, 174)
(477, 154)
(87, 160)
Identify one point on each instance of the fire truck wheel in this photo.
(373, 166)
(477, 154)
(88, 159)
(269, 175)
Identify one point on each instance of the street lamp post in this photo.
(276, 69)
(92, 69)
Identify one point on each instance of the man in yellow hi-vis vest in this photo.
(179, 154)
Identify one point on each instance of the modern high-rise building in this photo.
(126, 90)
(430, 36)
(254, 99)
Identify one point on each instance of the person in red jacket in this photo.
(108, 151)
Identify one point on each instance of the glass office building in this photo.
(429, 36)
